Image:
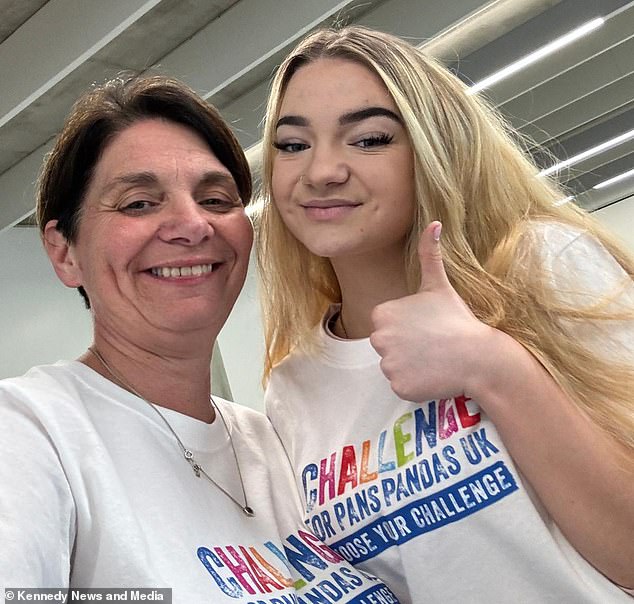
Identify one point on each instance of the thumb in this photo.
(432, 269)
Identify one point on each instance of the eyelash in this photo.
(367, 142)
(147, 205)
(220, 204)
(374, 140)
(290, 147)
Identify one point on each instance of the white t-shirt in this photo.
(94, 492)
(426, 495)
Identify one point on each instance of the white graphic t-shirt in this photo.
(425, 495)
(95, 493)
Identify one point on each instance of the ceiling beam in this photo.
(62, 35)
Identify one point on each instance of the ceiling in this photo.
(580, 97)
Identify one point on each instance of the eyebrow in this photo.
(211, 177)
(347, 118)
(135, 178)
(368, 112)
(216, 177)
(223, 179)
(292, 120)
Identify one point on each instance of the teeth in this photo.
(182, 271)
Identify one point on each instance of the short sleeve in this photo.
(37, 520)
(583, 274)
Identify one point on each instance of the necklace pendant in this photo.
(248, 511)
(189, 456)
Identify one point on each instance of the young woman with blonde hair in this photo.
(410, 251)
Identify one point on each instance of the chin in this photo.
(207, 319)
(330, 249)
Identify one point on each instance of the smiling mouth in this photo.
(174, 272)
(329, 212)
(327, 205)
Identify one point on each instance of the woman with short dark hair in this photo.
(120, 469)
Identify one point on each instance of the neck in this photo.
(365, 284)
(182, 384)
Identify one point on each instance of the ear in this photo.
(61, 253)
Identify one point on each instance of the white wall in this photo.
(242, 345)
(41, 321)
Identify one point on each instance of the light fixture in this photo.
(537, 55)
(575, 159)
(611, 181)
(561, 202)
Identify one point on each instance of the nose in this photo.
(326, 167)
(185, 222)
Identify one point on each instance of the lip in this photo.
(328, 210)
(329, 203)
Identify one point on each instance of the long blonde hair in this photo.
(471, 174)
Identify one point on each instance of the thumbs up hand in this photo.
(432, 346)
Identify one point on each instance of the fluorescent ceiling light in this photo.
(537, 55)
(575, 159)
(561, 202)
(610, 181)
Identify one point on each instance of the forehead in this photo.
(156, 146)
(336, 84)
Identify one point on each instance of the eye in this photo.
(374, 140)
(220, 203)
(290, 147)
(137, 206)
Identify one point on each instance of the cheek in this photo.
(242, 237)
(404, 192)
(408, 209)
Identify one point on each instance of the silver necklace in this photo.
(343, 327)
(187, 453)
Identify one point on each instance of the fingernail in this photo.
(436, 231)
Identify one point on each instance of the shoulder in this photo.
(299, 359)
(42, 406)
(284, 381)
(549, 239)
(50, 399)
(40, 382)
(243, 418)
(296, 371)
(571, 259)
(254, 436)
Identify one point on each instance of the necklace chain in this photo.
(343, 327)
(187, 453)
